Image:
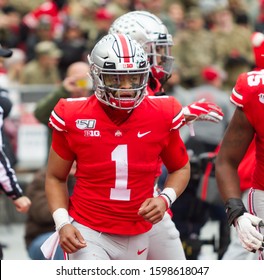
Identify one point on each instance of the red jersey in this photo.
(116, 164)
(249, 95)
(154, 86)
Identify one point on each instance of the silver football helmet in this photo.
(119, 67)
(153, 35)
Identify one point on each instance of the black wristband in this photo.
(234, 209)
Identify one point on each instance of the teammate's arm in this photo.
(235, 143)
(237, 139)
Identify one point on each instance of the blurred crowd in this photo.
(204, 33)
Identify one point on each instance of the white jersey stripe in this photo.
(234, 102)
(236, 94)
(178, 116)
(54, 125)
(57, 118)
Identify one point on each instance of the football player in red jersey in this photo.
(235, 250)
(116, 138)
(152, 34)
(246, 124)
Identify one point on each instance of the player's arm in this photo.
(57, 194)
(56, 181)
(59, 162)
(237, 138)
(176, 160)
(236, 141)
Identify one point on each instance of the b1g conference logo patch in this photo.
(85, 124)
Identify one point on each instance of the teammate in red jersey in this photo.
(235, 250)
(152, 34)
(246, 124)
(116, 137)
(148, 30)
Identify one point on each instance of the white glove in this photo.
(203, 111)
(250, 238)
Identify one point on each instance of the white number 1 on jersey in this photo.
(120, 191)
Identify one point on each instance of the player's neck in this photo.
(117, 116)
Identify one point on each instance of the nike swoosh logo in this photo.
(139, 135)
(139, 252)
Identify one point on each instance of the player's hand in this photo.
(71, 239)
(203, 111)
(250, 238)
(22, 204)
(153, 209)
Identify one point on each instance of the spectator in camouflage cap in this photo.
(43, 69)
(194, 49)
